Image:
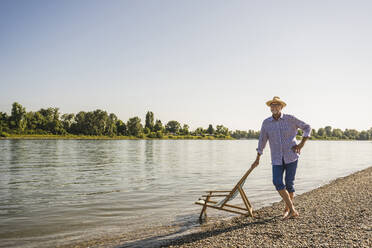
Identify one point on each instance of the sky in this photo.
(195, 61)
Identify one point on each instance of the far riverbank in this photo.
(88, 137)
(165, 137)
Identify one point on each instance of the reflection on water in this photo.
(63, 190)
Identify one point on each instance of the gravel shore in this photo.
(335, 215)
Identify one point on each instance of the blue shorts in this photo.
(290, 172)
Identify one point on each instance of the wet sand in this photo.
(335, 215)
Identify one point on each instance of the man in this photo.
(281, 130)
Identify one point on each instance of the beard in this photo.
(275, 112)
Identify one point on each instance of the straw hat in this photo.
(276, 99)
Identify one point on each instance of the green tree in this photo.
(4, 122)
(337, 133)
(51, 121)
(158, 126)
(67, 121)
(313, 133)
(220, 129)
(210, 129)
(111, 128)
(363, 135)
(299, 132)
(328, 131)
(135, 127)
(159, 134)
(146, 131)
(78, 127)
(31, 121)
(121, 128)
(149, 123)
(238, 134)
(97, 122)
(18, 117)
(351, 133)
(173, 127)
(253, 134)
(185, 129)
(199, 131)
(321, 132)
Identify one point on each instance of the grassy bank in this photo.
(88, 137)
(165, 137)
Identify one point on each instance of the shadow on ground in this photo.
(179, 237)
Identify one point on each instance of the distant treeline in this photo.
(100, 123)
(328, 133)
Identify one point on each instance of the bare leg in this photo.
(288, 201)
(291, 196)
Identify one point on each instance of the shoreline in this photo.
(337, 214)
(171, 137)
(87, 137)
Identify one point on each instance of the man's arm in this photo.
(306, 134)
(262, 140)
(297, 148)
(303, 126)
(257, 161)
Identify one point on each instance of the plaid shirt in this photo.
(281, 134)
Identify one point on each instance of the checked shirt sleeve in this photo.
(303, 126)
(262, 140)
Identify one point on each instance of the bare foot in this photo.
(285, 213)
(291, 214)
(294, 214)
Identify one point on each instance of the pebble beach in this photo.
(337, 214)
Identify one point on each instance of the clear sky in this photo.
(194, 61)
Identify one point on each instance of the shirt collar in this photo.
(281, 117)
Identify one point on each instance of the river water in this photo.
(63, 191)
